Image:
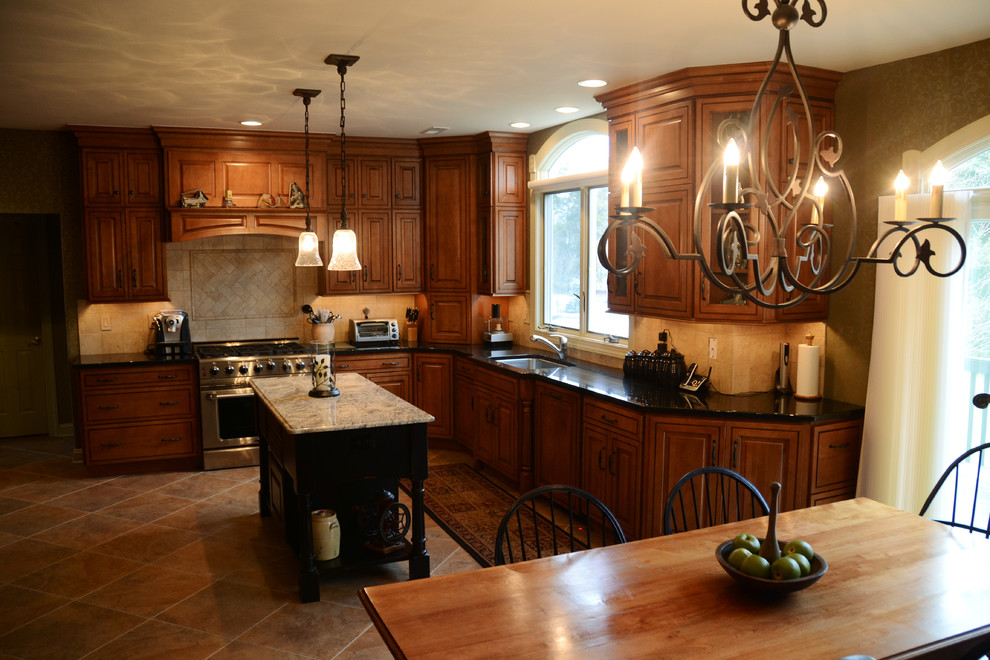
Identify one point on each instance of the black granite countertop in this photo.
(587, 377)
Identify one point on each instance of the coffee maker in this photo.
(172, 339)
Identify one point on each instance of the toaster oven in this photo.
(367, 332)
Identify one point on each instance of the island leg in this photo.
(264, 479)
(419, 558)
(309, 577)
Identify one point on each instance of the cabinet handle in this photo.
(343, 366)
(553, 395)
(703, 295)
(167, 376)
(111, 444)
(365, 273)
(601, 458)
(609, 420)
(484, 272)
(842, 446)
(735, 454)
(433, 312)
(134, 277)
(611, 464)
(433, 274)
(398, 272)
(171, 439)
(113, 407)
(714, 446)
(168, 403)
(636, 283)
(398, 195)
(120, 278)
(107, 379)
(390, 364)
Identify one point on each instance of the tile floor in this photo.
(167, 565)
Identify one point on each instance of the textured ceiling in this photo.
(469, 66)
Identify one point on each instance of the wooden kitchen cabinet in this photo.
(502, 227)
(612, 460)
(768, 452)
(373, 230)
(139, 418)
(556, 435)
(390, 371)
(449, 318)
(121, 177)
(835, 461)
(464, 413)
(497, 422)
(447, 233)
(407, 251)
(434, 380)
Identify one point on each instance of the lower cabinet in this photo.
(433, 392)
(503, 424)
(139, 418)
(390, 371)
(556, 435)
(612, 460)
(464, 412)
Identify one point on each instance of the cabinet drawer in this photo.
(836, 456)
(380, 362)
(150, 404)
(106, 378)
(612, 417)
(495, 381)
(127, 443)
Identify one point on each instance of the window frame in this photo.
(562, 139)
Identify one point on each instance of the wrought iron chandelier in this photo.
(344, 251)
(763, 235)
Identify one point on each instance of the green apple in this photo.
(737, 556)
(802, 562)
(785, 568)
(747, 541)
(800, 546)
(756, 566)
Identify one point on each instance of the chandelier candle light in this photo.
(796, 254)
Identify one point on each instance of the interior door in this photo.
(23, 269)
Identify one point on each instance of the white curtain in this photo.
(915, 403)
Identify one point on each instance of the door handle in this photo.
(601, 458)
(433, 274)
(433, 312)
(34, 341)
(611, 463)
(134, 277)
(609, 420)
(365, 273)
(398, 272)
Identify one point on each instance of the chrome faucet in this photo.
(561, 352)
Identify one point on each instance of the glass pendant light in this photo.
(344, 255)
(309, 242)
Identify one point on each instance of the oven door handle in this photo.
(216, 396)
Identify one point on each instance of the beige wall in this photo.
(880, 112)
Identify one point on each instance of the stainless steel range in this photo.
(230, 438)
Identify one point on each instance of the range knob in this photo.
(271, 365)
(300, 365)
(243, 369)
(230, 369)
(258, 367)
(214, 370)
(286, 365)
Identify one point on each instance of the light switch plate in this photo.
(105, 323)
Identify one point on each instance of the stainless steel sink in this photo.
(532, 362)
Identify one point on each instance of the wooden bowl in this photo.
(763, 585)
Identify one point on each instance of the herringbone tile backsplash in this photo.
(242, 284)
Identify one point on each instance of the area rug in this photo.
(469, 507)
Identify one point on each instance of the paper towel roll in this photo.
(806, 385)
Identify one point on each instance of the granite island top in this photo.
(361, 404)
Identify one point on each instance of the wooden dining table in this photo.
(898, 586)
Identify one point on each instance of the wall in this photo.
(39, 175)
(880, 112)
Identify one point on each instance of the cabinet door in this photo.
(398, 383)
(557, 435)
(144, 184)
(450, 318)
(104, 255)
(510, 182)
(465, 418)
(340, 281)
(505, 419)
(712, 302)
(335, 189)
(373, 182)
(663, 285)
(673, 450)
(484, 406)
(375, 248)
(623, 465)
(767, 453)
(448, 210)
(146, 255)
(433, 392)
(594, 458)
(102, 171)
(407, 250)
(663, 136)
(407, 183)
(510, 251)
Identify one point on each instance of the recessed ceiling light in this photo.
(250, 122)
(567, 109)
(592, 82)
(434, 130)
(519, 124)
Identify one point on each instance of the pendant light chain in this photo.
(343, 152)
(306, 148)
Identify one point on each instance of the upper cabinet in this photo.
(674, 119)
(502, 199)
(122, 214)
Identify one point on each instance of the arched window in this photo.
(571, 196)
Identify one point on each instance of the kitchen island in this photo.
(344, 453)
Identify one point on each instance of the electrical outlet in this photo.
(105, 323)
(712, 348)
